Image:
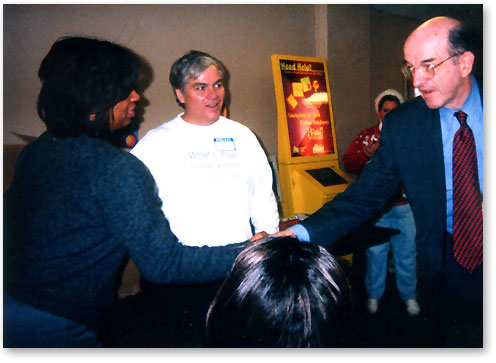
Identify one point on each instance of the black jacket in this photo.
(411, 153)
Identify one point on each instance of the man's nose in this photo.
(213, 93)
(418, 78)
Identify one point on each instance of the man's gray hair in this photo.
(190, 67)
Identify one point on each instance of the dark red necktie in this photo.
(467, 199)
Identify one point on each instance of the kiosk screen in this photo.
(326, 176)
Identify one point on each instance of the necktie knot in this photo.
(461, 117)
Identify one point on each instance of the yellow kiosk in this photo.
(309, 171)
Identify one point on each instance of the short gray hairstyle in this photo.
(189, 67)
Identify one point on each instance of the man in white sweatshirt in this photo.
(212, 174)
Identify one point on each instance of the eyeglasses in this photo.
(427, 70)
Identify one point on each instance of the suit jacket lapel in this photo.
(434, 152)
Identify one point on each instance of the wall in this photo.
(348, 67)
(242, 36)
(387, 36)
(363, 46)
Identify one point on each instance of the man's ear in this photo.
(466, 62)
(179, 95)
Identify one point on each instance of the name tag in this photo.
(224, 143)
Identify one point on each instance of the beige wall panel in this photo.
(387, 36)
(348, 68)
(242, 36)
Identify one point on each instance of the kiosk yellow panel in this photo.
(306, 187)
(308, 159)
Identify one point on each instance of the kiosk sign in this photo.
(307, 107)
(309, 173)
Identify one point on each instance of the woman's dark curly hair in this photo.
(84, 76)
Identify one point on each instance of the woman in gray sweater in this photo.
(78, 206)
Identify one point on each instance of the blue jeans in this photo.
(405, 256)
(28, 327)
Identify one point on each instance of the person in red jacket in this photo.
(396, 214)
(366, 143)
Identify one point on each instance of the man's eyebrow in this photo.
(429, 60)
(204, 83)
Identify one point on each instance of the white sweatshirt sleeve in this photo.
(264, 212)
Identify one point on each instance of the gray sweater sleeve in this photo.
(133, 214)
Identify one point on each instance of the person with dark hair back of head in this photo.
(78, 207)
(281, 293)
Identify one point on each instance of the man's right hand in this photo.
(258, 236)
(285, 233)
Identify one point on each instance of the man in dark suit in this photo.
(416, 150)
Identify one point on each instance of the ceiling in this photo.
(471, 14)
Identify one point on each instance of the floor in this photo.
(173, 316)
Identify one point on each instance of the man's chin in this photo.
(432, 102)
(214, 117)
